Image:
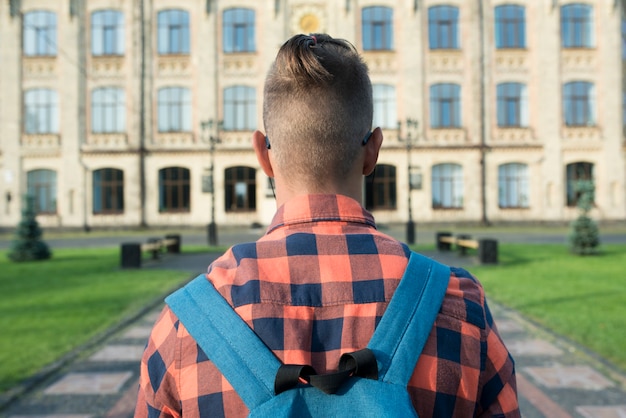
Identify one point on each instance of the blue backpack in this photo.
(369, 383)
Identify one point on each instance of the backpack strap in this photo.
(246, 362)
(404, 328)
(251, 367)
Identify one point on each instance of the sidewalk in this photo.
(556, 379)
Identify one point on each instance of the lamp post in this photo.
(213, 128)
(411, 126)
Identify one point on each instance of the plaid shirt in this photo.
(314, 287)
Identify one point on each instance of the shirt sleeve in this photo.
(158, 385)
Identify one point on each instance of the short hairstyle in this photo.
(317, 106)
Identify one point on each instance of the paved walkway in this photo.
(556, 378)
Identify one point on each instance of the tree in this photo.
(584, 235)
(28, 245)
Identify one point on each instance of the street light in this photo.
(213, 128)
(412, 175)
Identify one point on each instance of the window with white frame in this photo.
(385, 114)
(173, 32)
(239, 108)
(447, 186)
(512, 105)
(40, 33)
(377, 28)
(174, 109)
(41, 111)
(107, 32)
(579, 107)
(238, 30)
(108, 110)
(443, 27)
(513, 186)
(577, 26)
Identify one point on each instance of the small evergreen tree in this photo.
(28, 245)
(584, 236)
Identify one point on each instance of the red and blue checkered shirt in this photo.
(313, 287)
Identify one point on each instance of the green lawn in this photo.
(50, 307)
(583, 298)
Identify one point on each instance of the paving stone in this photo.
(618, 411)
(89, 384)
(532, 347)
(141, 331)
(569, 377)
(119, 353)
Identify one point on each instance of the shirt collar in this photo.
(321, 207)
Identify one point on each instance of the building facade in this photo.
(123, 113)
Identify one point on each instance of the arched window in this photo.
(40, 33)
(385, 114)
(240, 189)
(512, 105)
(573, 173)
(42, 187)
(380, 188)
(577, 26)
(239, 108)
(513, 186)
(443, 27)
(108, 110)
(173, 32)
(238, 30)
(107, 32)
(41, 111)
(377, 28)
(174, 109)
(108, 191)
(447, 186)
(510, 26)
(579, 107)
(174, 190)
(445, 105)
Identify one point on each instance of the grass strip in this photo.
(51, 307)
(580, 297)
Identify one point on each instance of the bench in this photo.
(487, 247)
(131, 252)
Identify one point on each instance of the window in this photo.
(174, 190)
(40, 33)
(384, 106)
(108, 112)
(108, 191)
(380, 188)
(443, 31)
(510, 26)
(447, 186)
(512, 105)
(577, 26)
(513, 186)
(377, 27)
(238, 31)
(445, 106)
(240, 189)
(42, 187)
(239, 108)
(41, 111)
(579, 104)
(174, 109)
(107, 33)
(623, 39)
(173, 32)
(575, 172)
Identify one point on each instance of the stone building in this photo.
(121, 113)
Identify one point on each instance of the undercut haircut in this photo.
(317, 107)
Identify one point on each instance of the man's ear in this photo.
(372, 147)
(259, 142)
